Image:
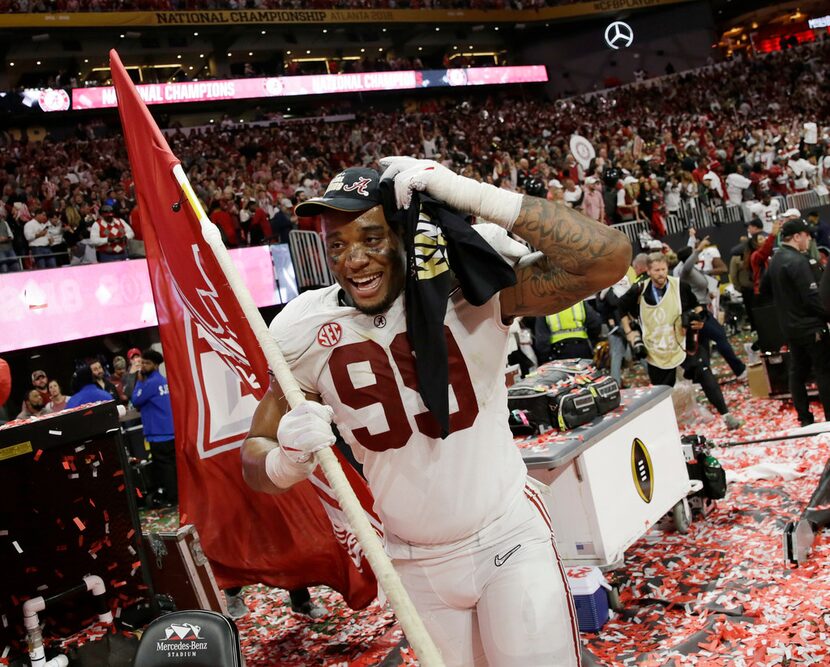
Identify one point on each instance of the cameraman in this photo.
(669, 318)
(704, 291)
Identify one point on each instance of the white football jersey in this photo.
(428, 491)
(766, 214)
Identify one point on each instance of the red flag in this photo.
(217, 373)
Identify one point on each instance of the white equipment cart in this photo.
(610, 480)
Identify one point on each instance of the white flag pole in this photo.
(388, 580)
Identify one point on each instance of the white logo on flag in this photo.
(223, 379)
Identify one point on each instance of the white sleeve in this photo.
(295, 330)
(29, 230)
(130, 234)
(95, 235)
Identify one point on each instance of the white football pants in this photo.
(502, 602)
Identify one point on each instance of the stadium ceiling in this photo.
(81, 50)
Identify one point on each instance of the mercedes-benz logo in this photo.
(619, 35)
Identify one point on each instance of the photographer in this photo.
(608, 301)
(669, 319)
(704, 292)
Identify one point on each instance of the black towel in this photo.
(445, 241)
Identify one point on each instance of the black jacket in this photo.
(795, 291)
(541, 332)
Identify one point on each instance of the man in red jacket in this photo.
(222, 218)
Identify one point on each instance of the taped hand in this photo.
(411, 174)
(305, 430)
(463, 194)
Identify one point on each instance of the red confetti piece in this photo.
(37, 455)
(79, 523)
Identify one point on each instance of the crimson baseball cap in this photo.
(356, 189)
(133, 352)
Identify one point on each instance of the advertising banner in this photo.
(315, 84)
(321, 16)
(56, 305)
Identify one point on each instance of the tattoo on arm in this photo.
(581, 255)
(566, 236)
(546, 281)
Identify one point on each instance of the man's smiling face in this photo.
(366, 258)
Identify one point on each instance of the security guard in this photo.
(794, 281)
(566, 334)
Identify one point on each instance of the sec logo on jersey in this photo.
(329, 334)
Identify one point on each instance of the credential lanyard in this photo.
(657, 296)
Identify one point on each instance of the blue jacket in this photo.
(91, 393)
(151, 396)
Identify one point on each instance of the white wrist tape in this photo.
(283, 472)
(479, 199)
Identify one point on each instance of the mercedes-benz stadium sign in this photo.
(619, 35)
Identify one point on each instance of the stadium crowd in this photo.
(656, 146)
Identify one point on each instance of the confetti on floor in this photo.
(719, 595)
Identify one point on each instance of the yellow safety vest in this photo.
(569, 323)
(662, 328)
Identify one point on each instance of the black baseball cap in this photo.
(355, 189)
(794, 227)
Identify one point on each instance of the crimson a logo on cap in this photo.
(359, 186)
(329, 334)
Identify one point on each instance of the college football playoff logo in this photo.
(619, 35)
(642, 471)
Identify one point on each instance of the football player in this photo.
(468, 534)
